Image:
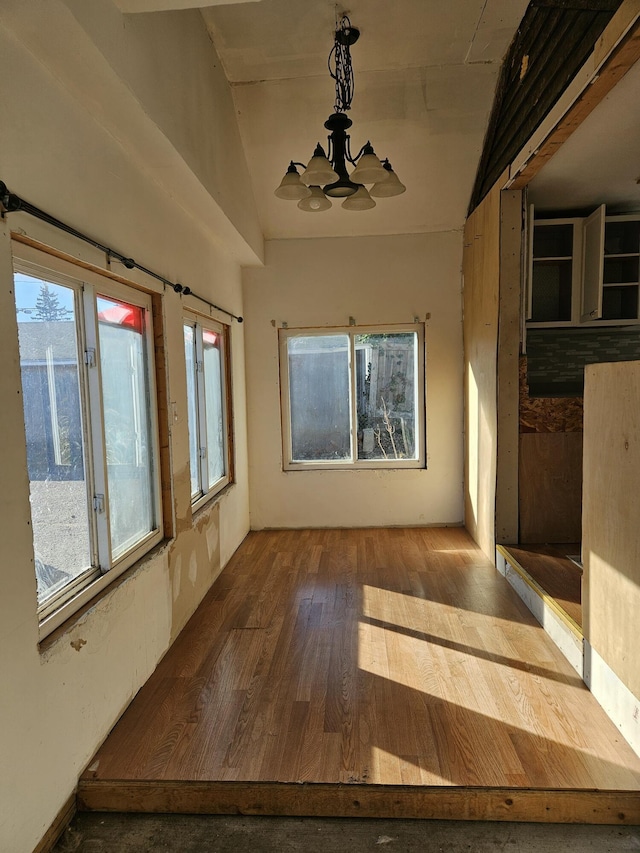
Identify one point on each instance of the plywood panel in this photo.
(547, 414)
(611, 528)
(550, 487)
(506, 523)
(481, 271)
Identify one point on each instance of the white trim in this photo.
(354, 464)
(200, 322)
(618, 702)
(88, 286)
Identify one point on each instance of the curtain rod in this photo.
(12, 203)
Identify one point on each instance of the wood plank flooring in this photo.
(387, 671)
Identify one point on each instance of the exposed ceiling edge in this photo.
(554, 45)
(136, 6)
(587, 90)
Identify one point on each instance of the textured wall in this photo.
(59, 700)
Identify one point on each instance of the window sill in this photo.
(409, 465)
(212, 496)
(50, 638)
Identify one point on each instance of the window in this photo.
(205, 347)
(353, 397)
(86, 351)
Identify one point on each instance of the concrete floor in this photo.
(116, 833)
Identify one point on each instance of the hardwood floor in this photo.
(391, 669)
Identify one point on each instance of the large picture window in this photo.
(205, 347)
(88, 393)
(353, 397)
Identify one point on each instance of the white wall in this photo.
(323, 282)
(58, 703)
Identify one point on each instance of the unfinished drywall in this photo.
(60, 700)
(610, 532)
(374, 280)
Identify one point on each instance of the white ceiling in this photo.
(600, 162)
(425, 74)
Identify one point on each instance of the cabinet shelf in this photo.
(584, 271)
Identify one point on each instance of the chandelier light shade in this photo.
(360, 200)
(369, 169)
(315, 202)
(326, 175)
(291, 187)
(391, 185)
(319, 171)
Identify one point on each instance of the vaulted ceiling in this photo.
(425, 75)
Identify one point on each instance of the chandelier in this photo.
(326, 176)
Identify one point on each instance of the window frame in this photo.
(201, 323)
(88, 285)
(288, 464)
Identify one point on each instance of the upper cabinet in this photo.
(621, 268)
(584, 270)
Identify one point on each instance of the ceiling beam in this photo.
(172, 5)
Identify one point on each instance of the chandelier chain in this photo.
(342, 71)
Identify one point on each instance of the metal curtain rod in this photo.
(12, 203)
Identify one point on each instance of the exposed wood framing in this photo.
(508, 389)
(63, 819)
(548, 52)
(390, 801)
(612, 71)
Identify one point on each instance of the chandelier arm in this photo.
(359, 154)
(351, 159)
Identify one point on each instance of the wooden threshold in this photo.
(513, 554)
(377, 801)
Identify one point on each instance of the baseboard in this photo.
(619, 703)
(561, 628)
(61, 822)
